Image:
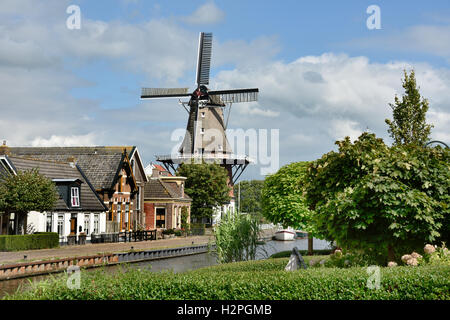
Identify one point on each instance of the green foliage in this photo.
(371, 197)
(408, 125)
(27, 191)
(441, 256)
(41, 240)
(283, 200)
(250, 195)
(255, 280)
(207, 185)
(237, 237)
(197, 229)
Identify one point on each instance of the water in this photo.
(178, 264)
(271, 247)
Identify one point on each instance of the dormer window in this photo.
(75, 196)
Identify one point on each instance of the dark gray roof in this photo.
(100, 164)
(157, 189)
(89, 200)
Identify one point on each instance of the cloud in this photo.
(89, 139)
(208, 13)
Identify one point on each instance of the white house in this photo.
(78, 209)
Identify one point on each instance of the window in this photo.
(96, 223)
(119, 213)
(160, 217)
(127, 211)
(202, 131)
(138, 199)
(75, 196)
(87, 223)
(203, 114)
(61, 224)
(49, 227)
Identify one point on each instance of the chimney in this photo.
(155, 173)
(4, 149)
(71, 161)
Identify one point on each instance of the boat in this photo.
(285, 235)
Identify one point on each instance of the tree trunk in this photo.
(391, 253)
(310, 244)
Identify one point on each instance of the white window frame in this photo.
(75, 195)
(60, 223)
(87, 223)
(96, 223)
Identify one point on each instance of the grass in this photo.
(254, 280)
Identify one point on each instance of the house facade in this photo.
(116, 172)
(78, 209)
(165, 199)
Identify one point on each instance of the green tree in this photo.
(27, 191)
(375, 198)
(283, 200)
(248, 195)
(207, 185)
(409, 124)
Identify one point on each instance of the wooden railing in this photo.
(144, 235)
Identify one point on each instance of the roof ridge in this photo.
(24, 157)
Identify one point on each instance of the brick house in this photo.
(164, 199)
(116, 172)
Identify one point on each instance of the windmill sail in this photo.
(204, 58)
(164, 92)
(235, 96)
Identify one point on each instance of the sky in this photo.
(322, 73)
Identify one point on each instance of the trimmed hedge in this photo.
(40, 240)
(255, 280)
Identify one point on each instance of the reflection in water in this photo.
(179, 264)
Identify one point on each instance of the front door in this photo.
(73, 225)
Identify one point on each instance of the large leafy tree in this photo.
(207, 185)
(24, 192)
(409, 124)
(372, 197)
(283, 200)
(248, 195)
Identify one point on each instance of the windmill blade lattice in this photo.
(204, 58)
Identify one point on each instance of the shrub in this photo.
(197, 229)
(237, 237)
(255, 280)
(40, 240)
(168, 231)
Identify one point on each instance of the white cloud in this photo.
(208, 13)
(89, 139)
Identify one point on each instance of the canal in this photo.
(177, 264)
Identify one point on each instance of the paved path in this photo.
(99, 248)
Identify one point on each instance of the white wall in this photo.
(39, 221)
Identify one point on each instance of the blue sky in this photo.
(322, 73)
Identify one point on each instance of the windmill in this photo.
(205, 137)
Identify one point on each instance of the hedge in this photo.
(41, 240)
(286, 254)
(256, 280)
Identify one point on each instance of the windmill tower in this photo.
(205, 138)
